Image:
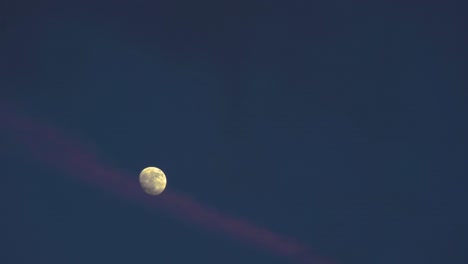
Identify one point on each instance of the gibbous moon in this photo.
(153, 181)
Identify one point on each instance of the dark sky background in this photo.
(338, 123)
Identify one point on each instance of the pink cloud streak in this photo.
(50, 146)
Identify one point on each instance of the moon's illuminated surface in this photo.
(153, 181)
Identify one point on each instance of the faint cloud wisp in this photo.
(50, 146)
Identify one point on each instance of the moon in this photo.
(153, 180)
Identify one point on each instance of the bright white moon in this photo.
(153, 180)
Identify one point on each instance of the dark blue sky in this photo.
(340, 124)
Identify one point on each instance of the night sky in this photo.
(336, 124)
